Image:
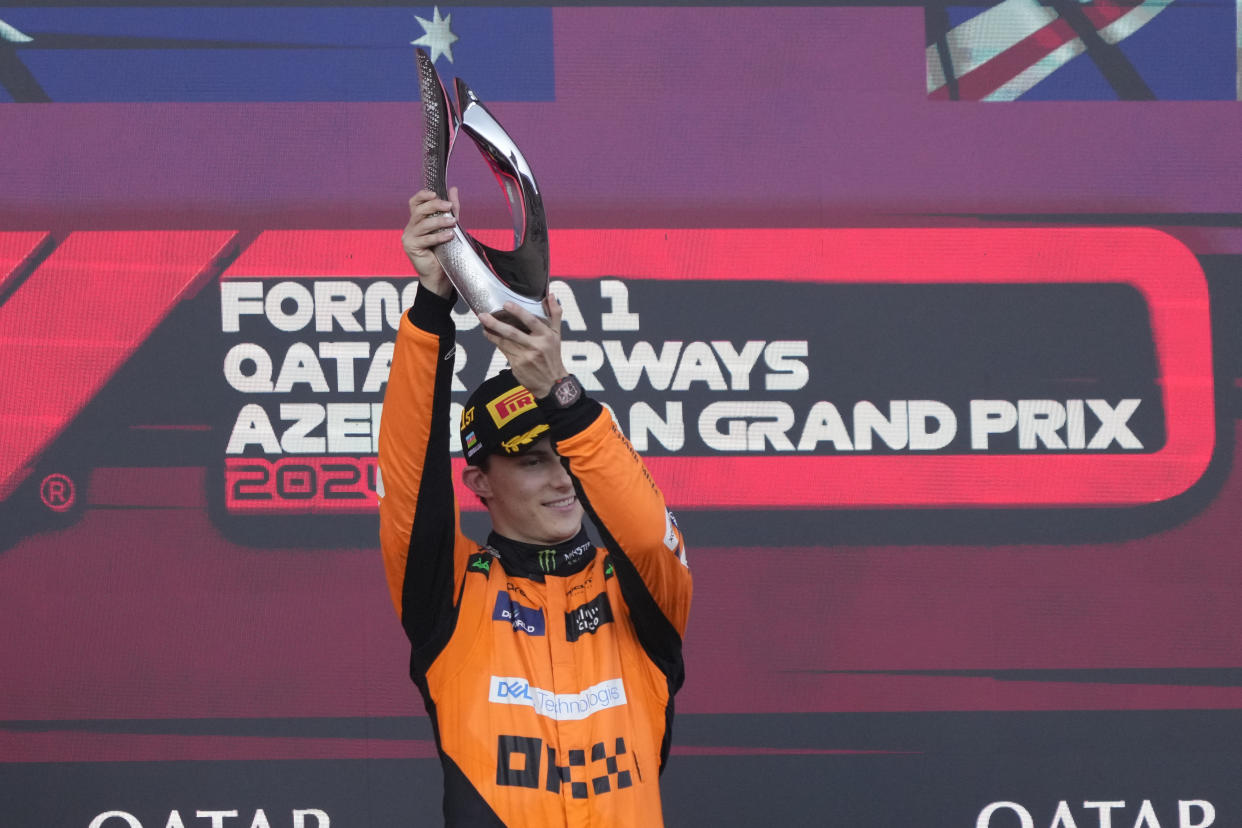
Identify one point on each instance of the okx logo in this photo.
(602, 769)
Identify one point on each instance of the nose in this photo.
(560, 477)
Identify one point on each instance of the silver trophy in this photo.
(484, 276)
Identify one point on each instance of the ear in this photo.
(476, 481)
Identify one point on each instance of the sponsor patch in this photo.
(561, 707)
(670, 531)
(547, 559)
(522, 619)
(588, 617)
(575, 554)
(671, 540)
(510, 404)
(599, 769)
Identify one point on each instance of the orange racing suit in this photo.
(548, 673)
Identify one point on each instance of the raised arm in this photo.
(618, 492)
(419, 530)
(431, 223)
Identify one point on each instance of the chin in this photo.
(565, 533)
(565, 530)
(566, 522)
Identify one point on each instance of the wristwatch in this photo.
(565, 392)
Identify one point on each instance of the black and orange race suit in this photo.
(548, 673)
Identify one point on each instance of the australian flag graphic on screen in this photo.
(204, 53)
(1040, 50)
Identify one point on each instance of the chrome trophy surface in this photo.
(484, 276)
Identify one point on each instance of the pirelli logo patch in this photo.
(509, 405)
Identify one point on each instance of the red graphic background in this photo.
(950, 624)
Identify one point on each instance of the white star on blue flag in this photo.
(437, 36)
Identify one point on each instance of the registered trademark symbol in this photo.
(58, 492)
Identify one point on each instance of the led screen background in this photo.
(867, 654)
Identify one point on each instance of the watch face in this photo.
(567, 392)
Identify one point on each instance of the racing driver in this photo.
(547, 664)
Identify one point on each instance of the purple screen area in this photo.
(879, 668)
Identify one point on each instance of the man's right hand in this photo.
(431, 223)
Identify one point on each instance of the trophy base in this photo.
(481, 289)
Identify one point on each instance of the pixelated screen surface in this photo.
(922, 314)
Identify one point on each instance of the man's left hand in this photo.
(535, 357)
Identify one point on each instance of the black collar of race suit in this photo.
(528, 560)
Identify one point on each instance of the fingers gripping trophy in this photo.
(484, 276)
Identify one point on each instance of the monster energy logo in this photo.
(547, 559)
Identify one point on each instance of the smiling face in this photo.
(530, 497)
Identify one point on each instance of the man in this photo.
(547, 665)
